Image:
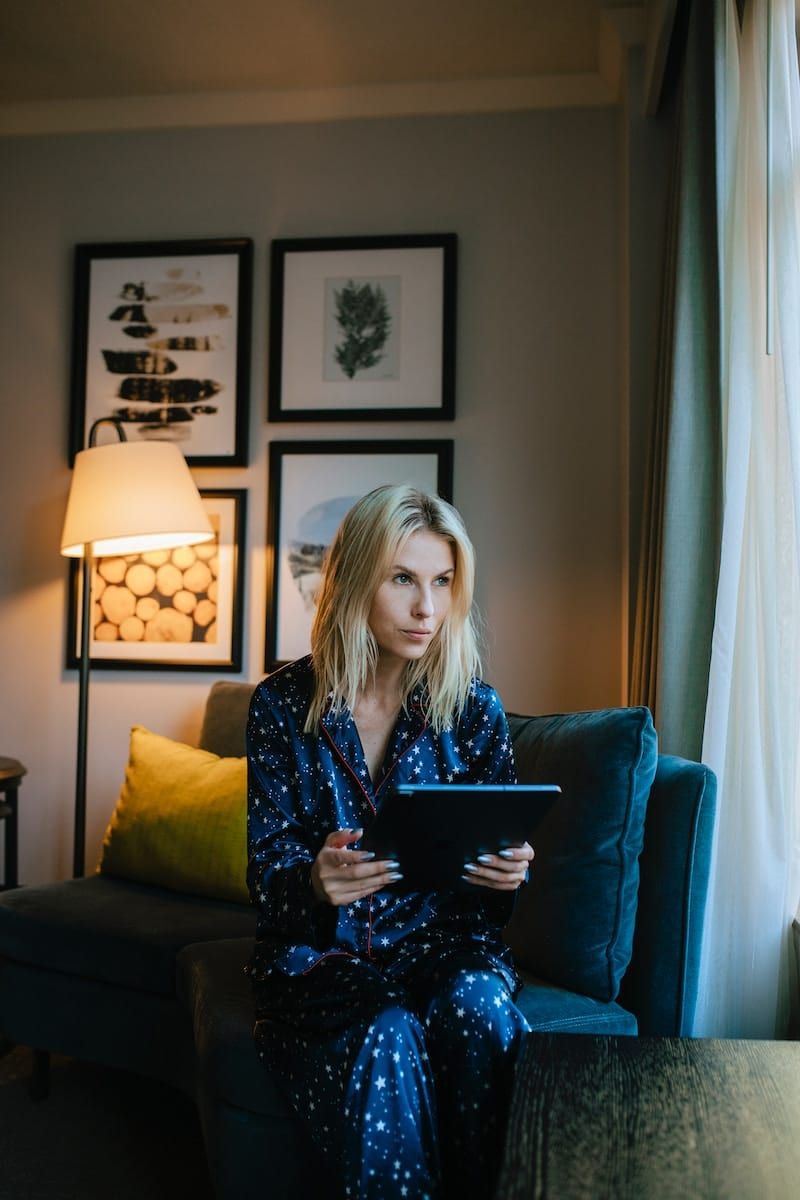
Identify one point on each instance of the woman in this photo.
(390, 1016)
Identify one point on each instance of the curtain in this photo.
(752, 725)
(680, 549)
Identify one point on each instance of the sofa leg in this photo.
(40, 1075)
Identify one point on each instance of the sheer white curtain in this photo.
(752, 730)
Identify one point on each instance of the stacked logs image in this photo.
(160, 596)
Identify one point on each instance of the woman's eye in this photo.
(402, 578)
(443, 581)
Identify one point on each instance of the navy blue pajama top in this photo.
(303, 786)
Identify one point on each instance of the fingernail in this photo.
(394, 878)
(366, 855)
(467, 878)
(391, 865)
(358, 831)
(506, 853)
(471, 867)
(486, 859)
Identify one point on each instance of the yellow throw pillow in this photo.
(181, 820)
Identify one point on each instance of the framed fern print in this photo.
(363, 329)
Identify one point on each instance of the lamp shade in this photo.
(132, 496)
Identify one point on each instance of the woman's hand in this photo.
(340, 876)
(503, 872)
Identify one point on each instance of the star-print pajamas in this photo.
(390, 1020)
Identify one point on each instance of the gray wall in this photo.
(534, 198)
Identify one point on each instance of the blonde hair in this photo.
(343, 648)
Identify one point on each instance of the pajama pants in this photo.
(403, 1072)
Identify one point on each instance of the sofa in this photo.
(137, 975)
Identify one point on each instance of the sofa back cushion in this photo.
(181, 820)
(225, 718)
(573, 924)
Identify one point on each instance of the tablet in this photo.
(432, 830)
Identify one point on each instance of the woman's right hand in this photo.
(340, 876)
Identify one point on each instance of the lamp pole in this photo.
(79, 845)
(79, 849)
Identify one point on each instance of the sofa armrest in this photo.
(660, 986)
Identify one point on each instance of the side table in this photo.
(11, 773)
(626, 1118)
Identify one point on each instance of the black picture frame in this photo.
(306, 504)
(161, 340)
(408, 284)
(227, 507)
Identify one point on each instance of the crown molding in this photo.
(215, 109)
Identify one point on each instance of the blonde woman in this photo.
(390, 1016)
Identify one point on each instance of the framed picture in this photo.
(311, 487)
(363, 329)
(162, 343)
(170, 610)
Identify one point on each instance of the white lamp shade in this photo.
(132, 496)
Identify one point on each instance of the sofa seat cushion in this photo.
(573, 924)
(112, 929)
(215, 991)
(554, 1010)
(218, 996)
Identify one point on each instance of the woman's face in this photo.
(414, 598)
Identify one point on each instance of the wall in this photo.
(534, 200)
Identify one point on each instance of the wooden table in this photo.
(653, 1119)
(11, 772)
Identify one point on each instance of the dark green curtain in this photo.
(681, 521)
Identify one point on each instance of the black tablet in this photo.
(432, 830)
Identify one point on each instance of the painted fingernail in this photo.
(366, 855)
(506, 853)
(394, 878)
(471, 867)
(467, 878)
(391, 865)
(486, 859)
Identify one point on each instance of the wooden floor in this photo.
(100, 1135)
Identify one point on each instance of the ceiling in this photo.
(78, 53)
(51, 50)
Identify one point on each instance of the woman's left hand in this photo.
(503, 871)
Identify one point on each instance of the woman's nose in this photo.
(424, 602)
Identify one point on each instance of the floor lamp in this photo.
(126, 497)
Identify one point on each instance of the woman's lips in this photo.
(418, 635)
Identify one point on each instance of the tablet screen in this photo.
(432, 830)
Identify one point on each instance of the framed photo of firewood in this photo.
(311, 487)
(161, 343)
(175, 610)
(363, 329)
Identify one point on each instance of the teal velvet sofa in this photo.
(607, 936)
